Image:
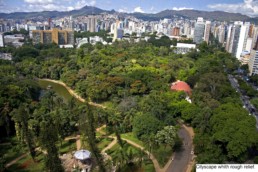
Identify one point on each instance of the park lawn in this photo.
(102, 132)
(148, 166)
(108, 104)
(12, 149)
(132, 137)
(67, 146)
(162, 154)
(27, 164)
(104, 142)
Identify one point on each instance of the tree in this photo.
(48, 139)
(167, 136)
(2, 163)
(88, 129)
(146, 124)
(25, 52)
(254, 79)
(234, 130)
(21, 116)
(189, 112)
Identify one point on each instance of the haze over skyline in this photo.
(247, 7)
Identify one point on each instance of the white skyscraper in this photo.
(229, 35)
(1, 40)
(242, 39)
(221, 34)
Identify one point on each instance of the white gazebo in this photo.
(82, 155)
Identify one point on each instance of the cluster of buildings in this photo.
(238, 38)
(16, 40)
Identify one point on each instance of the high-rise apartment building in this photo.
(175, 31)
(92, 23)
(235, 34)
(1, 40)
(229, 38)
(118, 32)
(253, 62)
(242, 39)
(199, 31)
(255, 35)
(60, 37)
(207, 31)
(221, 33)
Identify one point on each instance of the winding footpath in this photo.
(185, 164)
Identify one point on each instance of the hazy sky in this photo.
(248, 7)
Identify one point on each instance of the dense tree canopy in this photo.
(133, 80)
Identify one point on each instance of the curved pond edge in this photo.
(72, 92)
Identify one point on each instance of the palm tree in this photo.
(5, 117)
(120, 157)
(21, 116)
(115, 121)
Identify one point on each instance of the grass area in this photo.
(104, 142)
(12, 149)
(132, 137)
(67, 146)
(27, 164)
(102, 132)
(108, 104)
(162, 154)
(131, 153)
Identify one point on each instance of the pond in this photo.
(59, 89)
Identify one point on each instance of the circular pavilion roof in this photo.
(82, 154)
(181, 86)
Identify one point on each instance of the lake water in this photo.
(59, 89)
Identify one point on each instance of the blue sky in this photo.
(248, 7)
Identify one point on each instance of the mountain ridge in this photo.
(88, 10)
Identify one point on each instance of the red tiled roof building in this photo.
(181, 86)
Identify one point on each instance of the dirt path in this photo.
(103, 152)
(152, 157)
(154, 160)
(100, 129)
(78, 142)
(16, 159)
(23, 156)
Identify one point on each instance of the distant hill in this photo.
(193, 14)
(87, 10)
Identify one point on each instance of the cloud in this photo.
(39, 1)
(247, 7)
(138, 10)
(123, 10)
(181, 8)
(82, 3)
(46, 5)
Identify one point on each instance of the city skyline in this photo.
(247, 7)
